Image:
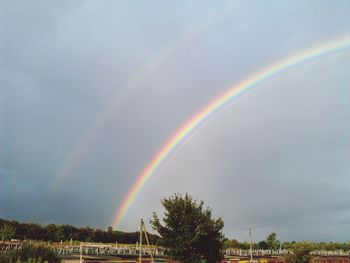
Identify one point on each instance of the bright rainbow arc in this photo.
(235, 91)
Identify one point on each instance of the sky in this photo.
(90, 90)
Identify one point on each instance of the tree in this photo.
(263, 245)
(54, 232)
(189, 233)
(272, 241)
(301, 253)
(7, 232)
(233, 243)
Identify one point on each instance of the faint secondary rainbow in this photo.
(218, 103)
(158, 60)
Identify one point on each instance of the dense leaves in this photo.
(301, 252)
(189, 232)
(7, 232)
(56, 233)
(30, 254)
(272, 241)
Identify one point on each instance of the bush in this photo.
(30, 254)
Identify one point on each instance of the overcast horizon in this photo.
(91, 90)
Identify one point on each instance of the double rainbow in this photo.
(217, 104)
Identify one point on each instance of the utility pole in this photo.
(251, 244)
(81, 253)
(140, 244)
(143, 230)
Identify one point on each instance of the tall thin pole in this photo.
(140, 247)
(147, 240)
(81, 253)
(251, 244)
(143, 230)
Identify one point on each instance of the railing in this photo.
(10, 245)
(111, 250)
(134, 249)
(257, 252)
(282, 252)
(330, 253)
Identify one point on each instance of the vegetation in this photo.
(189, 233)
(7, 231)
(56, 233)
(30, 254)
(271, 242)
(301, 252)
(187, 230)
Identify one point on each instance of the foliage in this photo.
(330, 246)
(56, 233)
(301, 252)
(263, 245)
(30, 254)
(231, 243)
(272, 241)
(189, 233)
(7, 232)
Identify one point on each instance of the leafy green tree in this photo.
(7, 232)
(231, 243)
(301, 252)
(86, 234)
(54, 232)
(272, 241)
(34, 231)
(189, 233)
(69, 232)
(263, 245)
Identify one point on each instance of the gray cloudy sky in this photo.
(89, 90)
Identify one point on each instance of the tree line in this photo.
(11, 229)
(271, 242)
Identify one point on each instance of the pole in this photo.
(81, 253)
(147, 240)
(251, 244)
(140, 247)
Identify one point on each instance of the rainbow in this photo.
(158, 60)
(218, 103)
